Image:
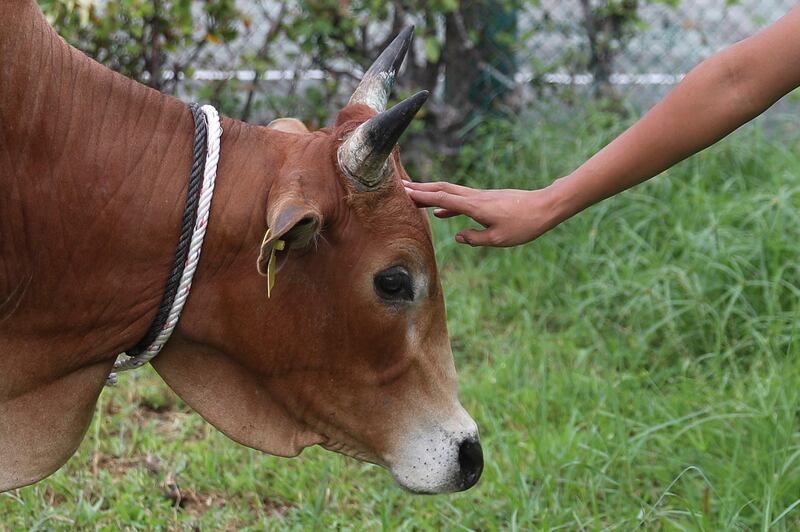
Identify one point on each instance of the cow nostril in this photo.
(470, 459)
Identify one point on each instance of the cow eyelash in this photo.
(393, 285)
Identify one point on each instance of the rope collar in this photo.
(205, 157)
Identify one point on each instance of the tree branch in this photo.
(272, 34)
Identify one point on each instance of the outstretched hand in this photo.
(509, 217)
(722, 93)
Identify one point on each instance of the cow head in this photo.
(351, 350)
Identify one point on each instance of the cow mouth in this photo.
(454, 465)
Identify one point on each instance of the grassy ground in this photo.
(638, 366)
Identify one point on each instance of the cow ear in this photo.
(293, 224)
(288, 125)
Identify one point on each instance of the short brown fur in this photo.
(94, 170)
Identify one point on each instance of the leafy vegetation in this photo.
(639, 365)
(142, 38)
(466, 53)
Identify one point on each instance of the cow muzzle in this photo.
(439, 459)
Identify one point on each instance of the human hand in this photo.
(509, 217)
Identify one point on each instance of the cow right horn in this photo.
(362, 156)
(377, 82)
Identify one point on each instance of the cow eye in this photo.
(394, 285)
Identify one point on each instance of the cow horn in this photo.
(362, 157)
(377, 82)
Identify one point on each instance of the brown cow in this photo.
(351, 352)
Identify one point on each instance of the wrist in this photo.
(562, 201)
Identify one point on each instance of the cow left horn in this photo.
(362, 157)
(377, 82)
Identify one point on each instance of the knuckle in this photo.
(473, 207)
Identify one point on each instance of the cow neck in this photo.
(97, 168)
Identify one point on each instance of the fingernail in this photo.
(460, 239)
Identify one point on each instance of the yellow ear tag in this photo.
(278, 245)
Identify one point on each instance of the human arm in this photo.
(724, 92)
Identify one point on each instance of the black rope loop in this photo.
(187, 226)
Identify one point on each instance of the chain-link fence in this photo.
(303, 58)
(554, 48)
(665, 43)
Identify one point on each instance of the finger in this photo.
(477, 237)
(444, 213)
(450, 202)
(439, 186)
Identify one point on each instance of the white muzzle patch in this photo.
(439, 458)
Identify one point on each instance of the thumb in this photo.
(476, 237)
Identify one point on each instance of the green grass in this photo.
(638, 366)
